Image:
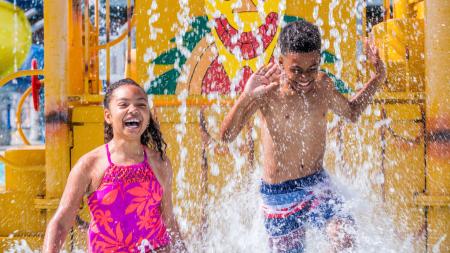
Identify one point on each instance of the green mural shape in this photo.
(167, 82)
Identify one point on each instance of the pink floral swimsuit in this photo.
(125, 210)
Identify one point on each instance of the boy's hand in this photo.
(373, 55)
(263, 81)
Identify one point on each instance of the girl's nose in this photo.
(132, 109)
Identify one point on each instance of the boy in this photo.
(293, 98)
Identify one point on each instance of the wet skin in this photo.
(294, 120)
(128, 113)
(293, 98)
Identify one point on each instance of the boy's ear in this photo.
(107, 116)
(280, 60)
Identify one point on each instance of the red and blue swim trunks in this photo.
(293, 206)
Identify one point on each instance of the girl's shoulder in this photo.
(153, 156)
(162, 164)
(91, 159)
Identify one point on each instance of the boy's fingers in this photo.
(260, 70)
(366, 47)
(272, 86)
(278, 71)
(373, 45)
(267, 68)
(370, 39)
(271, 71)
(263, 69)
(376, 52)
(275, 77)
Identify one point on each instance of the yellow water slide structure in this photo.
(16, 37)
(412, 152)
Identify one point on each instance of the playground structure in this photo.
(409, 147)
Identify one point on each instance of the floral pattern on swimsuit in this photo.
(125, 210)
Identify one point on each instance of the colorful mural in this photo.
(226, 46)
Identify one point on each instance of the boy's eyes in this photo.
(298, 71)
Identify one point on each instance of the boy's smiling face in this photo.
(299, 70)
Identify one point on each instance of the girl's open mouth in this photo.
(132, 123)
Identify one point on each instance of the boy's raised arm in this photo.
(257, 87)
(239, 114)
(352, 109)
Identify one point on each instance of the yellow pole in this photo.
(387, 10)
(437, 42)
(75, 54)
(87, 64)
(400, 9)
(57, 160)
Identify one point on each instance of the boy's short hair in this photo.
(299, 37)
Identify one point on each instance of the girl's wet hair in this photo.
(152, 136)
(299, 37)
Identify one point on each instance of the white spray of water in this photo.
(236, 222)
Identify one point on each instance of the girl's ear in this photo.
(107, 116)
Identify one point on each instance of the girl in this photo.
(128, 182)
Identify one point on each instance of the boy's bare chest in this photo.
(295, 117)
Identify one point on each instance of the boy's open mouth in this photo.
(132, 123)
(298, 85)
(305, 84)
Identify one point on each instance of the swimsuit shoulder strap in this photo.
(108, 154)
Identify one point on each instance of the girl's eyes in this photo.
(123, 105)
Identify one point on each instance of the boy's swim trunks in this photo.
(292, 206)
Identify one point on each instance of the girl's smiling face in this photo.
(128, 112)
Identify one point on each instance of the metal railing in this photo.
(20, 73)
(10, 77)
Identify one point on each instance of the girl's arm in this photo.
(177, 244)
(64, 217)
